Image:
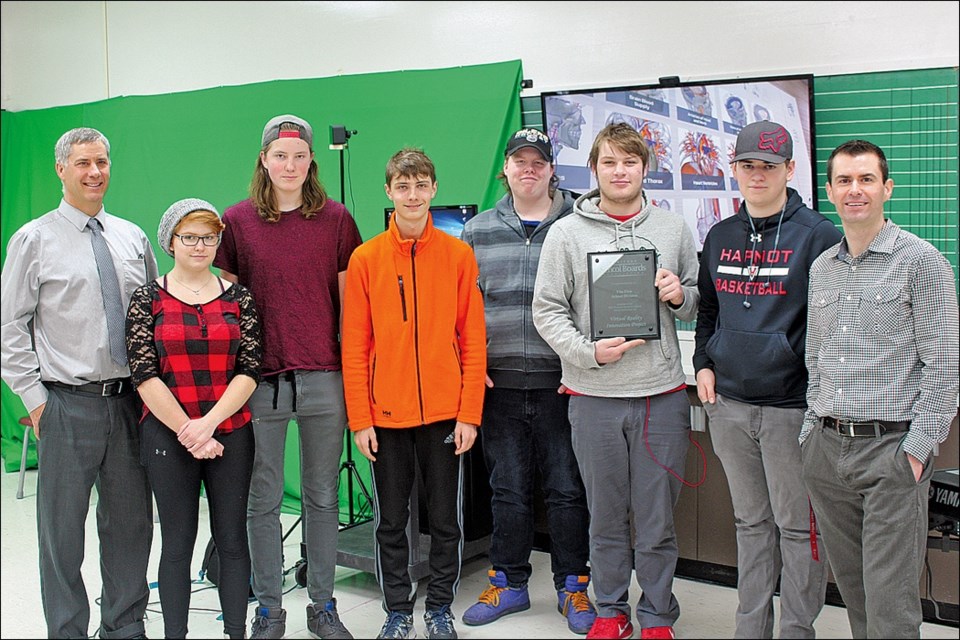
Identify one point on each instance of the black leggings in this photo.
(175, 477)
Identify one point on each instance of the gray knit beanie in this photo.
(177, 211)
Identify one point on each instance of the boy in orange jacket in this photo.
(414, 360)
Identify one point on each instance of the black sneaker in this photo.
(323, 621)
(440, 623)
(268, 623)
(398, 625)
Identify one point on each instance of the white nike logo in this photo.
(621, 629)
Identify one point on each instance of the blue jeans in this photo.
(526, 430)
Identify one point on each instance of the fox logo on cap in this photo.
(766, 141)
(773, 140)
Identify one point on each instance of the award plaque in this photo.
(624, 301)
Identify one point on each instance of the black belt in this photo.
(869, 428)
(106, 388)
(274, 379)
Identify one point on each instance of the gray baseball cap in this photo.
(272, 131)
(764, 140)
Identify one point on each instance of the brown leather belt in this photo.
(866, 429)
(106, 388)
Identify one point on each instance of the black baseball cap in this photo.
(533, 138)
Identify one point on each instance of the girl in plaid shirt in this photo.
(194, 348)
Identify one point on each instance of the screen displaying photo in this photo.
(447, 218)
(691, 129)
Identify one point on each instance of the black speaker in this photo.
(210, 568)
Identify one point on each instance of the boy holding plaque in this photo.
(629, 411)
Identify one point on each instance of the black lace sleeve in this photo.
(141, 350)
(250, 354)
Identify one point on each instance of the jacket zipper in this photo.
(527, 306)
(403, 298)
(416, 326)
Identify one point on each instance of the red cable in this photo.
(646, 441)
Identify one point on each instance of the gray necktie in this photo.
(110, 287)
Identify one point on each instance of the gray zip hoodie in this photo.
(517, 357)
(561, 310)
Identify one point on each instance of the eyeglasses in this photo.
(191, 240)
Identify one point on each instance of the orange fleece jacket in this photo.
(414, 336)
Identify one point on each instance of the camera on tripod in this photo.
(339, 135)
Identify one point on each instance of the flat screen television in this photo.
(447, 217)
(691, 128)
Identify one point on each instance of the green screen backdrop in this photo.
(205, 144)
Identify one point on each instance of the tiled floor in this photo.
(707, 610)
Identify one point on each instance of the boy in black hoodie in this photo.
(751, 378)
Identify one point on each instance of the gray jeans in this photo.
(315, 400)
(87, 440)
(761, 457)
(873, 514)
(631, 496)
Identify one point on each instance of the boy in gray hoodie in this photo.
(629, 411)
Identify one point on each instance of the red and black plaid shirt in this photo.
(196, 350)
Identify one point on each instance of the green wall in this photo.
(912, 116)
(205, 143)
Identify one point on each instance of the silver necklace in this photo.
(196, 292)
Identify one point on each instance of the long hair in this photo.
(262, 190)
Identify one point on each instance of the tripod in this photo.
(354, 519)
(353, 516)
(339, 135)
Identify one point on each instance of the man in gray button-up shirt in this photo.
(882, 352)
(56, 357)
